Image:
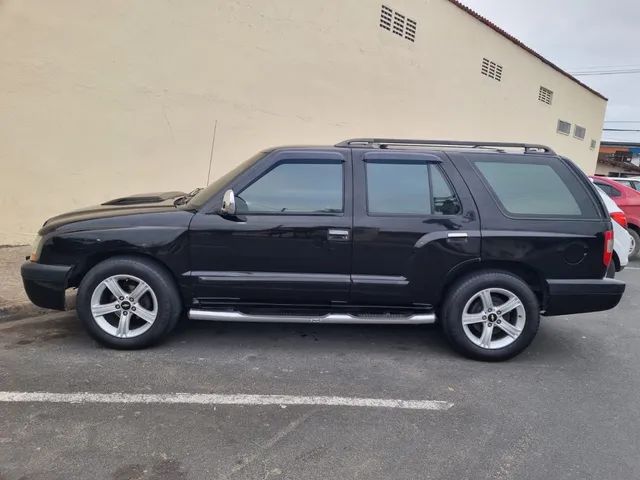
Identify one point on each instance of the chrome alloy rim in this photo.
(124, 306)
(632, 244)
(493, 318)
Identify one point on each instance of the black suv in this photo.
(480, 237)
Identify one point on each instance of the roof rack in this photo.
(390, 142)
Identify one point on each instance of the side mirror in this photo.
(228, 203)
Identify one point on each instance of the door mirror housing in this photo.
(228, 203)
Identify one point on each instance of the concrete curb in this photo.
(18, 311)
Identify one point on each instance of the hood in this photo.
(131, 205)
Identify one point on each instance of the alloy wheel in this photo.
(493, 318)
(124, 306)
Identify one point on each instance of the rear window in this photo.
(536, 187)
(609, 189)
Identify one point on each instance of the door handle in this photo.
(338, 234)
(457, 237)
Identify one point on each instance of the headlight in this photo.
(36, 248)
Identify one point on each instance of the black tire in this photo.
(636, 251)
(464, 290)
(169, 304)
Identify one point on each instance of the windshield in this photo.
(206, 193)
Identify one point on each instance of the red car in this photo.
(628, 200)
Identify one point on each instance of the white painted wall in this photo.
(100, 99)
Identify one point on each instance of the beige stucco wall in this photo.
(104, 98)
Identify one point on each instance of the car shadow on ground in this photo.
(556, 340)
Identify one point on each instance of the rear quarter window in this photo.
(540, 187)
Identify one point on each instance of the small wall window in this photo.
(579, 132)
(491, 69)
(397, 23)
(545, 95)
(564, 127)
(593, 145)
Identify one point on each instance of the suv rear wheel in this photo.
(128, 302)
(490, 316)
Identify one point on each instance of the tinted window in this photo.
(445, 201)
(608, 189)
(405, 188)
(300, 187)
(541, 187)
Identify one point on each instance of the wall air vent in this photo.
(491, 69)
(545, 95)
(397, 23)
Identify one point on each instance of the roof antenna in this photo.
(213, 142)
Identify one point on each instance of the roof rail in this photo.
(387, 142)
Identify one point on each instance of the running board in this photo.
(227, 316)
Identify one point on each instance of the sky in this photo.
(580, 35)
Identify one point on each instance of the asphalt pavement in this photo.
(567, 408)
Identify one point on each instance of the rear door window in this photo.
(408, 188)
(535, 187)
(608, 189)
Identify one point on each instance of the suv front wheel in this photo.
(490, 316)
(128, 302)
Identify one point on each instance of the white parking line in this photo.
(220, 399)
(632, 268)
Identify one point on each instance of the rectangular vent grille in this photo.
(410, 30)
(545, 95)
(564, 127)
(491, 69)
(579, 132)
(397, 23)
(386, 17)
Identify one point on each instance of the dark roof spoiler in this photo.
(392, 142)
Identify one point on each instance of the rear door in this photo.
(414, 222)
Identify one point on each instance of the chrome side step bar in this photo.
(227, 316)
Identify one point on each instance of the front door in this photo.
(414, 222)
(290, 242)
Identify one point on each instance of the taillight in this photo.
(608, 248)
(620, 217)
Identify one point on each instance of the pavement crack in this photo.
(269, 444)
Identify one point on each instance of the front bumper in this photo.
(45, 284)
(580, 296)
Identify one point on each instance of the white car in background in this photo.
(621, 238)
